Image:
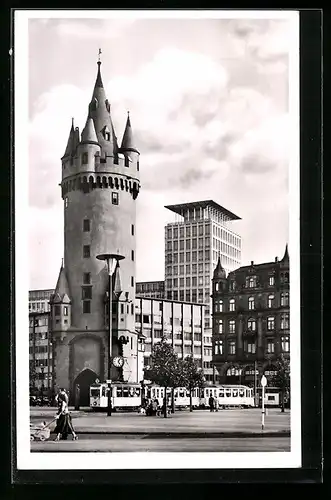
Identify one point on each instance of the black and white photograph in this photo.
(157, 239)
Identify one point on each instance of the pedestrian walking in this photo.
(211, 403)
(217, 404)
(64, 423)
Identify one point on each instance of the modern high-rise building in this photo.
(200, 234)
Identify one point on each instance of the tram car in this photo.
(181, 396)
(271, 397)
(228, 396)
(124, 397)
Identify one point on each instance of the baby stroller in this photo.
(40, 432)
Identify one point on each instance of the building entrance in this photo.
(85, 379)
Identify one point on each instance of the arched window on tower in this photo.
(84, 158)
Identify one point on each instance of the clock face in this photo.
(118, 361)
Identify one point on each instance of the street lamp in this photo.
(263, 385)
(111, 259)
(42, 384)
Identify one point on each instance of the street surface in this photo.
(201, 430)
(106, 443)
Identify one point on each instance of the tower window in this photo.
(65, 311)
(66, 201)
(114, 198)
(132, 229)
(86, 225)
(138, 165)
(57, 311)
(86, 306)
(132, 281)
(84, 158)
(107, 136)
(86, 292)
(132, 254)
(86, 251)
(87, 278)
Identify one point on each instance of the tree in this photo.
(163, 369)
(282, 378)
(32, 375)
(192, 376)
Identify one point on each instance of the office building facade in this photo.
(151, 289)
(201, 232)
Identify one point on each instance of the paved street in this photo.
(199, 421)
(106, 443)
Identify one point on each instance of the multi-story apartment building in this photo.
(182, 323)
(200, 233)
(39, 300)
(251, 319)
(40, 353)
(151, 289)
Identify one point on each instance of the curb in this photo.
(196, 435)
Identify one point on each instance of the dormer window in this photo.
(106, 133)
(84, 158)
(251, 282)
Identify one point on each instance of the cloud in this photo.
(93, 29)
(206, 127)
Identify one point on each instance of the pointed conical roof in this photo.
(117, 284)
(219, 271)
(71, 141)
(286, 255)
(62, 287)
(88, 133)
(56, 299)
(99, 111)
(127, 141)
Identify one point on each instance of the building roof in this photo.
(127, 141)
(202, 204)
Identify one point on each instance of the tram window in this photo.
(241, 393)
(221, 394)
(95, 392)
(125, 392)
(271, 398)
(131, 391)
(119, 392)
(228, 393)
(103, 391)
(235, 393)
(137, 391)
(207, 393)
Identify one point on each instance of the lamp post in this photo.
(255, 399)
(263, 385)
(111, 259)
(42, 384)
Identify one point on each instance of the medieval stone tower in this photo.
(100, 185)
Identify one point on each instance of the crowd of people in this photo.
(152, 407)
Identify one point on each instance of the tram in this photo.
(125, 397)
(228, 396)
(130, 397)
(181, 396)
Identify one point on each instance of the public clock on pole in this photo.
(118, 361)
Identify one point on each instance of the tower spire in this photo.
(127, 141)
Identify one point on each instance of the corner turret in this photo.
(71, 142)
(61, 304)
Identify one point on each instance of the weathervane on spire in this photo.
(99, 54)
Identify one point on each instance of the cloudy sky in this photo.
(208, 101)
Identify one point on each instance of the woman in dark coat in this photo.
(64, 423)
